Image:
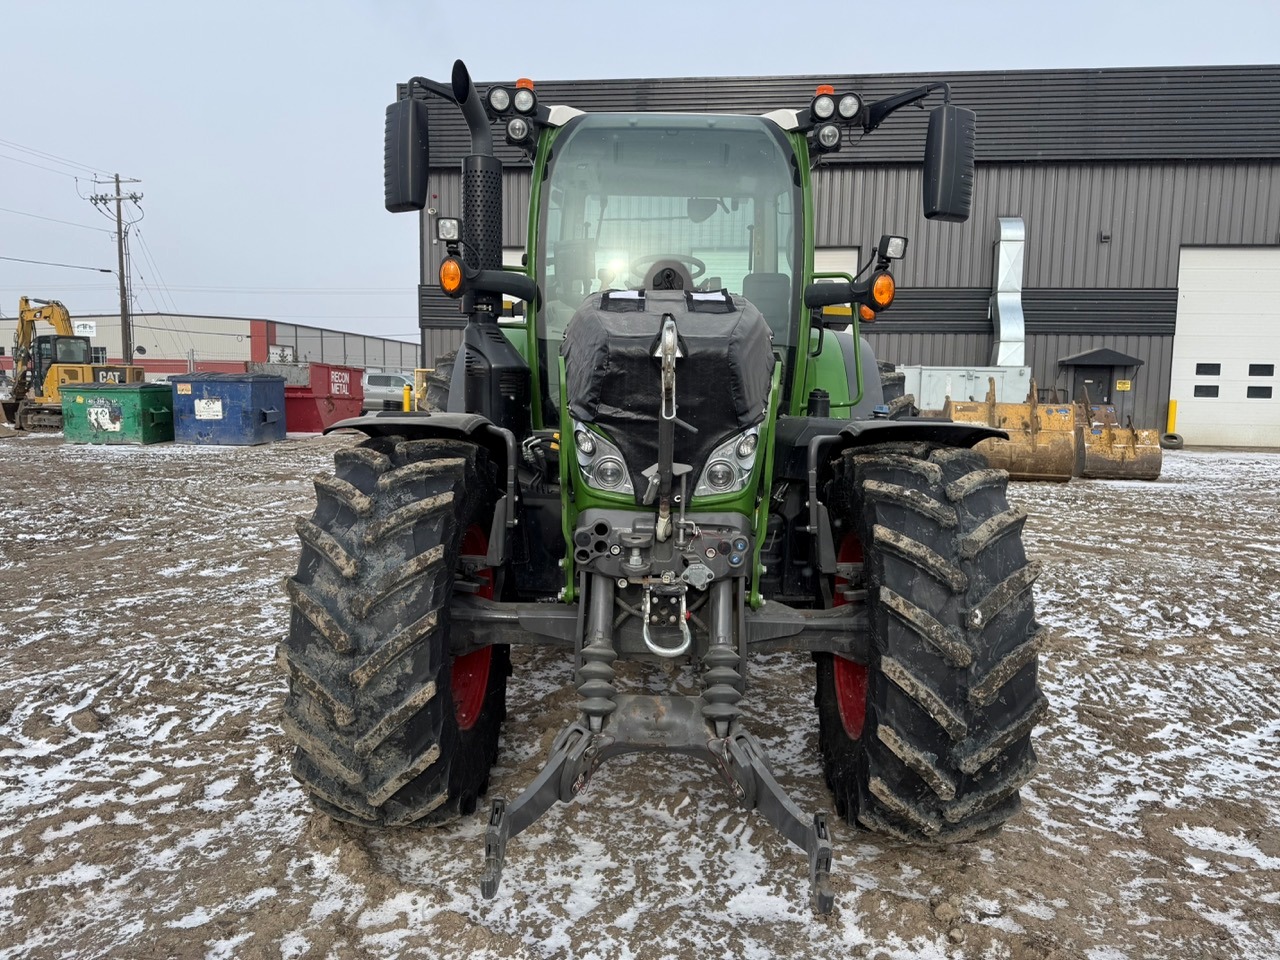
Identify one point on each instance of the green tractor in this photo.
(672, 455)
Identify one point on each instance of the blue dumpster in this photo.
(227, 408)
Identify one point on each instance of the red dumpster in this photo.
(317, 395)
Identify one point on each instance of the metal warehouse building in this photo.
(173, 343)
(1150, 199)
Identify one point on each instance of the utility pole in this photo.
(126, 327)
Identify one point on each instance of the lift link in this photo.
(757, 789)
(574, 755)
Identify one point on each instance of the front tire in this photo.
(390, 729)
(951, 695)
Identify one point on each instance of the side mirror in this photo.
(948, 163)
(405, 156)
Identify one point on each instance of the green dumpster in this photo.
(118, 413)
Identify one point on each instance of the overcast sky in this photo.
(255, 128)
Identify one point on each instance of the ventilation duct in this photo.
(1006, 296)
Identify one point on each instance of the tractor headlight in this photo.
(730, 465)
(823, 107)
(720, 475)
(609, 473)
(601, 462)
(829, 136)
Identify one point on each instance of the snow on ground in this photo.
(146, 809)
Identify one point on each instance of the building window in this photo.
(1259, 393)
(1206, 389)
(99, 355)
(1208, 370)
(1262, 369)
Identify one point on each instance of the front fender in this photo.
(819, 439)
(858, 433)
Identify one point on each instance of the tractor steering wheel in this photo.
(696, 267)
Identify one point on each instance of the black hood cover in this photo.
(722, 379)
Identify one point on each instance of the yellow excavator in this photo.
(47, 364)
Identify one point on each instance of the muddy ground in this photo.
(146, 808)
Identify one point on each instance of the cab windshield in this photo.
(667, 202)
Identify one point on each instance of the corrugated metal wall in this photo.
(1149, 210)
(1176, 113)
(348, 349)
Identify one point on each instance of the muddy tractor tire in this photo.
(931, 740)
(390, 729)
(893, 385)
(439, 382)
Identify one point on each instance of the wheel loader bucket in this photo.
(10, 410)
(1042, 436)
(1107, 450)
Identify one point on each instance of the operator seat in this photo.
(771, 294)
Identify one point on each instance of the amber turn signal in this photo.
(882, 290)
(451, 276)
(866, 314)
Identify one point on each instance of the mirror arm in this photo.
(878, 111)
(442, 90)
(513, 284)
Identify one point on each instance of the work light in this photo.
(499, 99)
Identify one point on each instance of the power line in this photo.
(69, 223)
(173, 306)
(38, 166)
(49, 263)
(155, 267)
(50, 156)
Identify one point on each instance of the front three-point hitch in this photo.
(675, 725)
(706, 727)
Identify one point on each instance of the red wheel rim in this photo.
(471, 671)
(850, 678)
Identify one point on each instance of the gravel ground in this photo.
(146, 808)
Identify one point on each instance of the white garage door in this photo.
(1226, 351)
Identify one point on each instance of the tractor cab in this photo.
(662, 202)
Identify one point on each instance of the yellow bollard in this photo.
(1170, 426)
(408, 398)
